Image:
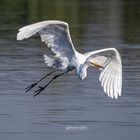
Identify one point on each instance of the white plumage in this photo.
(56, 62)
(57, 36)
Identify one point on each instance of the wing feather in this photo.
(111, 74)
(54, 33)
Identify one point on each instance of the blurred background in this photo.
(69, 101)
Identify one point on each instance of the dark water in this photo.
(69, 102)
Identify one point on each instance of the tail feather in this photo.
(49, 60)
(55, 62)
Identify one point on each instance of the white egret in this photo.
(57, 37)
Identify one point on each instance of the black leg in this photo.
(55, 77)
(34, 84)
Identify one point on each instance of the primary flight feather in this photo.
(57, 37)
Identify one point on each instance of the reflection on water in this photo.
(69, 101)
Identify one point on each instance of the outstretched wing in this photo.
(109, 61)
(54, 33)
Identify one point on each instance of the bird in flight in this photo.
(56, 36)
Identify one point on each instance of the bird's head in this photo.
(82, 72)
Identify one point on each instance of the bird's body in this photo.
(57, 37)
(76, 62)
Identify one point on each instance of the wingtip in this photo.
(18, 36)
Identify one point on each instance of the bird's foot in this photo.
(39, 90)
(30, 87)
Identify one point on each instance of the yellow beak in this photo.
(96, 65)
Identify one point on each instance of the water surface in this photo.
(69, 101)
